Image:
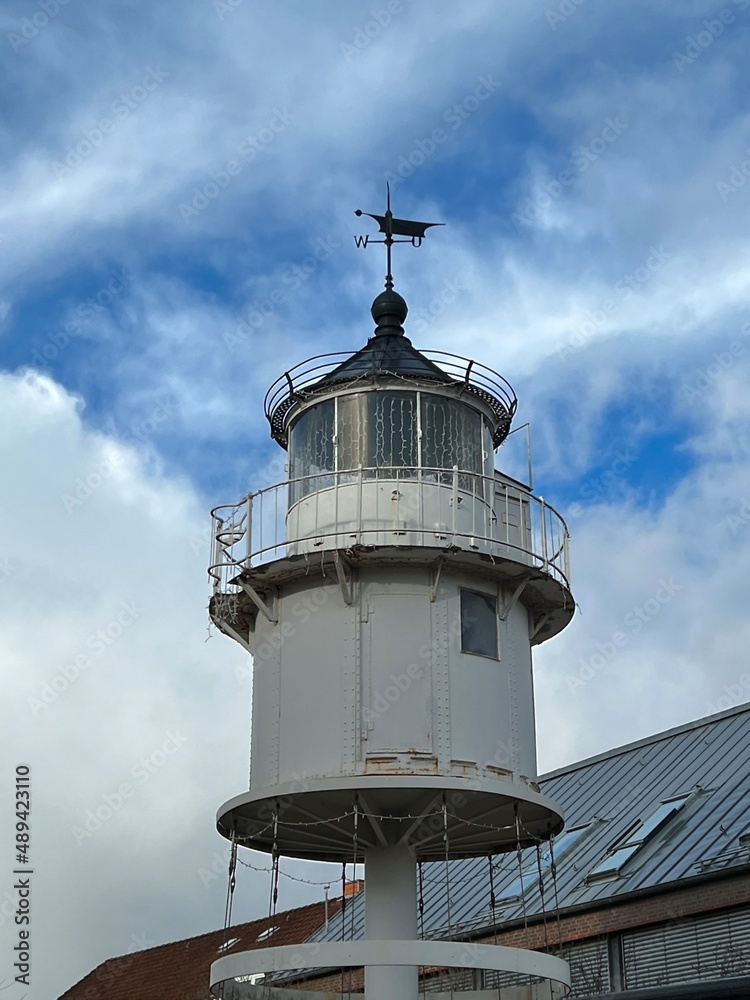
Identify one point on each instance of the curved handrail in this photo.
(305, 375)
(255, 530)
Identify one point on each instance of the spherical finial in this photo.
(389, 310)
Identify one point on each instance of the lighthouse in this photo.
(390, 592)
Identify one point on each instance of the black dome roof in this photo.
(389, 352)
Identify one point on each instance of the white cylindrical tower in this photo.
(390, 592)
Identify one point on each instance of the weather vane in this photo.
(414, 231)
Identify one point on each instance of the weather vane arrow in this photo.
(390, 227)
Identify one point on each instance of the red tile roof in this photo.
(179, 971)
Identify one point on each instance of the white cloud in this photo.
(169, 405)
(103, 629)
(662, 634)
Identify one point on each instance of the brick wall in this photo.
(671, 905)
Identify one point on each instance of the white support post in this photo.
(249, 531)
(358, 528)
(391, 914)
(454, 502)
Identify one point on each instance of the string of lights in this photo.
(294, 878)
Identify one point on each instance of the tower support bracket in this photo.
(345, 583)
(232, 633)
(258, 601)
(538, 624)
(511, 602)
(435, 581)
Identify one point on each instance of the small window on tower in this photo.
(479, 624)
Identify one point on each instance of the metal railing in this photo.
(387, 506)
(304, 380)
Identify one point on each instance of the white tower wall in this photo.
(383, 685)
(390, 593)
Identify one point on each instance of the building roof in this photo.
(608, 798)
(179, 970)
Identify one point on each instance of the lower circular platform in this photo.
(231, 976)
(315, 819)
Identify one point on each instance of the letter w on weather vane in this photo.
(390, 227)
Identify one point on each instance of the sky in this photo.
(177, 228)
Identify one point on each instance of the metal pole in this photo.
(391, 914)
(528, 451)
(249, 530)
(455, 500)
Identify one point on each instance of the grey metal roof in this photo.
(608, 794)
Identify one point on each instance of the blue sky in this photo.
(167, 169)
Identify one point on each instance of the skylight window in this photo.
(636, 837)
(529, 874)
(228, 944)
(268, 932)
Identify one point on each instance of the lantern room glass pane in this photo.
(392, 440)
(377, 430)
(351, 433)
(311, 453)
(451, 436)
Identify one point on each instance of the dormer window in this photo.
(636, 838)
(528, 877)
